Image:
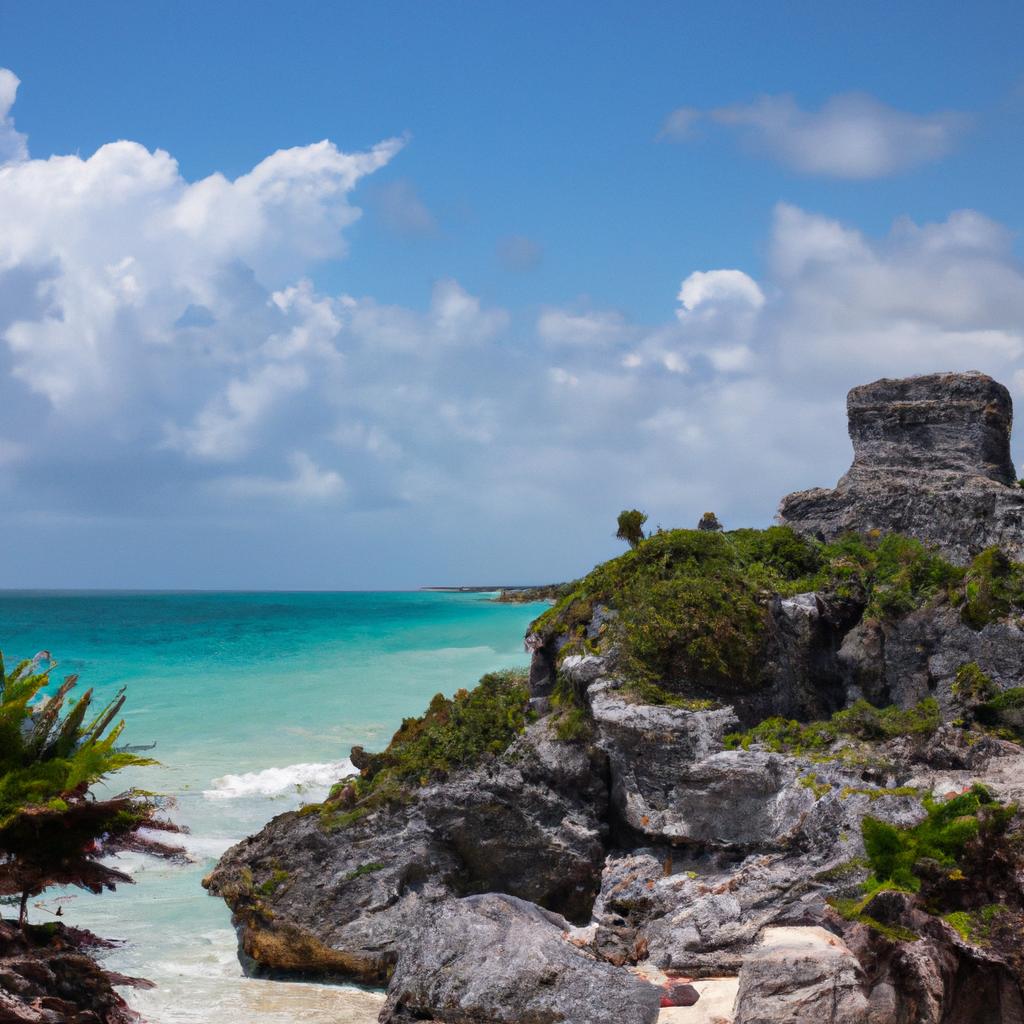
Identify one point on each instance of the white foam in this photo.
(273, 782)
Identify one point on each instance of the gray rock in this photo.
(797, 975)
(497, 959)
(918, 655)
(931, 460)
(320, 902)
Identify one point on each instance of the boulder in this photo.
(797, 975)
(931, 460)
(499, 959)
(312, 894)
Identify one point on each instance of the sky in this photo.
(383, 295)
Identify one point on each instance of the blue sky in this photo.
(456, 357)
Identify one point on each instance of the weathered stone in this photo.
(498, 959)
(314, 900)
(931, 460)
(47, 977)
(797, 975)
(918, 655)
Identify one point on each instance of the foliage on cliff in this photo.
(694, 604)
(52, 830)
(962, 862)
(860, 722)
(453, 733)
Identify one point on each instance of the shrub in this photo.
(861, 721)
(453, 733)
(993, 586)
(896, 854)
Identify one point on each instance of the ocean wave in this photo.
(272, 782)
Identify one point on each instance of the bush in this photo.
(896, 855)
(861, 721)
(452, 734)
(993, 587)
(693, 604)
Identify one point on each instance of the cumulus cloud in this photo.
(852, 135)
(166, 358)
(13, 145)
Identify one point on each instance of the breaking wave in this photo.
(271, 782)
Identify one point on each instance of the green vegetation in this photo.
(646, 692)
(862, 721)
(874, 793)
(453, 733)
(975, 925)
(693, 604)
(1004, 713)
(273, 883)
(631, 526)
(895, 854)
(819, 789)
(709, 521)
(972, 686)
(51, 824)
(993, 587)
(950, 845)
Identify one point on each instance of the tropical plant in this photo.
(53, 829)
(631, 526)
(709, 521)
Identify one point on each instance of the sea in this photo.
(253, 702)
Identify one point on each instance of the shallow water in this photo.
(254, 701)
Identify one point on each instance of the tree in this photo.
(53, 831)
(631, 526)
(709, 521)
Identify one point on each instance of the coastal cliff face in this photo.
(758, 777)
(931, 460)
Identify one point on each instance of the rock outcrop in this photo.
(501, 960)
(619, 849)
(931, 460)
(47, 977)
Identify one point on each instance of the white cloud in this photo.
(166, 358)
(307, 483)
(597, 328)
(13, 145)
(853, 135)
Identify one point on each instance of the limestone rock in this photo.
(798, 975)
(340, 902)
(498, 959)
(931, 460)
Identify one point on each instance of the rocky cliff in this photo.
(931, 459)
(759, 777)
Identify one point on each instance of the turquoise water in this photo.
(254, 701)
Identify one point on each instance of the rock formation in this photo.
(623, 857)
(931, 460)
